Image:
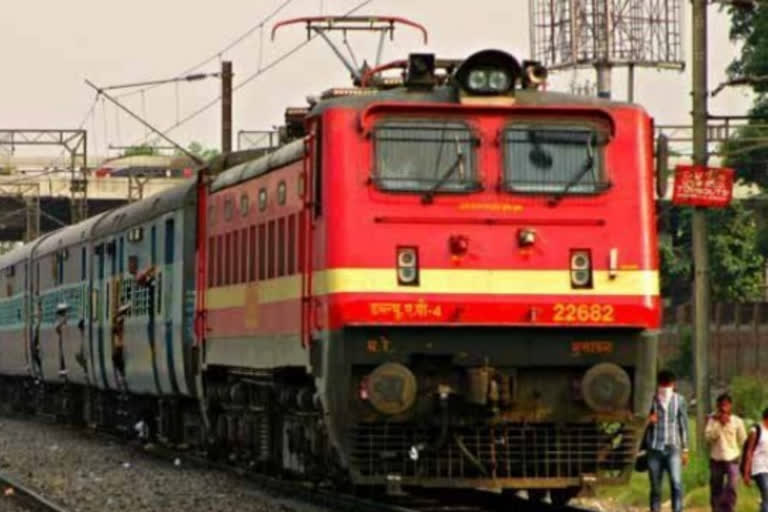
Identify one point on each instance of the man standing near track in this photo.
(725, 434)
(667, 441)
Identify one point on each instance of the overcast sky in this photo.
(49, 47)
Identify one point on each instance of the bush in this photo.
(750, 396)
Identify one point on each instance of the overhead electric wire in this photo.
(284, 56)
(11, 214)
(22, 211)
(240, 38)
(217, 55)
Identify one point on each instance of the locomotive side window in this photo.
(219, 260)
(235, 257)
(262, 252)
(254, 260)
(281, 247)
(228, 259)
(271, 250)
(244, 255)
(559, 159)
(424, 157)
(211, 261)
(292, 245)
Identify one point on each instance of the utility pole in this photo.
(604, 80)
(226, 107)
(603, 46)
(701, 308)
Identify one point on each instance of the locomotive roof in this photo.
(450, 94)
(291, 152)
(140, 211)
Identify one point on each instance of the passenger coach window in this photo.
(425, 156)
(559, 159)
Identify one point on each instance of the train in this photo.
(443, 279)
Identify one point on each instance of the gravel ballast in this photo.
(89, 474)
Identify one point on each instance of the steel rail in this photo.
(26, 496)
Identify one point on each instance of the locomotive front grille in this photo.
(560, 454)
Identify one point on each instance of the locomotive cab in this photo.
(489, 291)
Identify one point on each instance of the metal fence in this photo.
(738, 342)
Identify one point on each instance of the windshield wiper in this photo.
(457, 164)
(588, 165)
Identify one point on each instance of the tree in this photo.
(198, 150)
(738, 237)
(746, 153)
(749, 28)
(735, 260)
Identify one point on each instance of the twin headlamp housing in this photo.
(488, 81)
(497, 73)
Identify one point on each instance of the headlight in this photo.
(407, 266)
(488, 72)
(498, 81)
(581, 269)
(478, 80)
(488, 81)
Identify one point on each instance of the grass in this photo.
(695, 482)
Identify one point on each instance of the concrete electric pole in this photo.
(701, 308)
(226, 107)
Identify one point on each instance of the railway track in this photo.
(26, 497)
(301, 492)
(294, 495)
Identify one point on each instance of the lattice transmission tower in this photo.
(603, 34)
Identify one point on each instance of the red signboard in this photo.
(697, 185)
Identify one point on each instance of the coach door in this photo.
(27, 315)
(167, 290)
(152, 299)
(36, 317)
(100, 358)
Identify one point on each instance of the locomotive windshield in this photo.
(425, 157)
(557, 159)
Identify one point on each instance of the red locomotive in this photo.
(452, 283)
